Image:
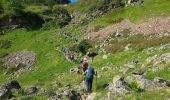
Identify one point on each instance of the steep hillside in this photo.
(126, 41)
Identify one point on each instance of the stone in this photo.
(32, 90)
(168, 83)
(105, 85)
(127, 47)
(127, 67)
(135, 61)
(110, 95)
(75, 70)
(105, 56)
(105, 68)
(157, 68)
(164, 47)
(138, 72)
(118, 85)
(73, 95)
(57, 83)
(5, 90)
(116, 78)
(118, 35)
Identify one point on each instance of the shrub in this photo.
(83, 46)
(5, 44)
(134, 86)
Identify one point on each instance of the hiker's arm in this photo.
(85, 72)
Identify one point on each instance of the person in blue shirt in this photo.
(89, 72)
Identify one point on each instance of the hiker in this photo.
(89, 72)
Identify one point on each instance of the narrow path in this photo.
(91, 96)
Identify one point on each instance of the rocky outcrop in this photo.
(118, 86)
(31, 90)
(21, 59)
(125, 85)
(69, 95)
(68, 54)
(5, 90)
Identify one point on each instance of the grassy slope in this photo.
(50, 61)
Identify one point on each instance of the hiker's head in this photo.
(84, 62)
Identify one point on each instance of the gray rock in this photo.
(110, 95)
(118, 86)
(32, 90)
(127, 67)
(5, 90)
(168, 83)
(158, 68)
(164, 47)
(75, 70)
(138, 72)
(73, 95)
(105, 68)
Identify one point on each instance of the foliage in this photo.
(134, 86)
(5, 44)
(12, 7)
(83, 46)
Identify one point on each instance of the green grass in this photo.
(149, 9)
(162, 73)
(49, 61)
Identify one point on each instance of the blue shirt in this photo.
(90, 72)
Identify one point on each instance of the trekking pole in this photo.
(96, 79)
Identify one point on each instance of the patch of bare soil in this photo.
(156, 26)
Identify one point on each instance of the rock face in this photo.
(5, 90)
(118, 86)
(21, 59)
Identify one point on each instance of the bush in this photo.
(5, 44)
(83, 46)
(134, 86)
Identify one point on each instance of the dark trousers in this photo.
(89, 82)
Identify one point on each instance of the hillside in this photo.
(126, 41)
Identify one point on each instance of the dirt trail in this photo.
(158, 25)
(90, 97)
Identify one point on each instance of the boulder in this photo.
(118, 86)
(164, 47)
(73, 95)
(138, 72)
(5, 90)
(75, 70)
(32, 90)
(168, 83)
